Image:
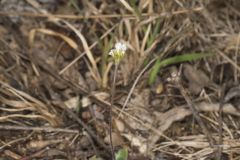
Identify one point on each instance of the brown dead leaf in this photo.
(116, 139)
(137, 141)
(197, 79)
(55, 152)
(12, 154)
(97, 112)
(141, 98)
(39, 144)
(232, 42)
(100, 95)
(75, 76)
(119, 125)
(73, 103)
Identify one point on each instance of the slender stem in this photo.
(112, 99)
(220, 130)
(220, 123)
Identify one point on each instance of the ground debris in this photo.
(55, 78)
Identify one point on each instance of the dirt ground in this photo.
(174, 94)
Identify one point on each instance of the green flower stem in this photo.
(111, 101)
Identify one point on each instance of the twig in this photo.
(36, 154)
(229, 60)
(27, 128)
(92, 143)
(220, 130)
(15, 141)
(195, 114)
(232, 93)
(220, 123)
(89, 130)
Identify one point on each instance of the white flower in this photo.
(120, 46)
(118, 52)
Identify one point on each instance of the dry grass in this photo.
(50, 57)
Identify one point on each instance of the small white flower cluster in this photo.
(118, 52)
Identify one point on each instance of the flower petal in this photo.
(118, 45)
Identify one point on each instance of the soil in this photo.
(57, 79)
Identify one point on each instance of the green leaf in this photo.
(173, 60)
(122, 154)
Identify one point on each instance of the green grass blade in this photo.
(136, 8)
(173, 60)
(154, 34)
(75, 5)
